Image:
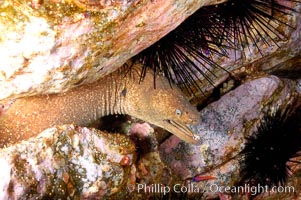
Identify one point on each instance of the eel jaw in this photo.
(180, 130)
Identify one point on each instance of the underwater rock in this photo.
(151, 170)
(66, 162)
(280, 57)
(224, 126)
(51, 46)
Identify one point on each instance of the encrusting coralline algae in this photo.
(66, 162)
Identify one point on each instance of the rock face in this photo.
(51, 46)
(66, 162)
(224, 126)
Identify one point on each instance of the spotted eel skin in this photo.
(120, 92)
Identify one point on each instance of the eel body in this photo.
(120, 92)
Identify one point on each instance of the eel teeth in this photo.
(186, 132)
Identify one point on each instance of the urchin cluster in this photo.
(266, 154)
(185, 54)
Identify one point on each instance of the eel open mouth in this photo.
(180, 130)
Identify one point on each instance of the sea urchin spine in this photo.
(266, 154)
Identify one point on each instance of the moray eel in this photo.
(120, 92)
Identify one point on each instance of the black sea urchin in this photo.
(246, 22)
(185, 54)
(266, 154)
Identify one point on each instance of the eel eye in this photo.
(178, 112)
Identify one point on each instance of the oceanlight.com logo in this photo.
(253, 190)
(211, 188)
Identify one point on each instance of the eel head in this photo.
(166, 107)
